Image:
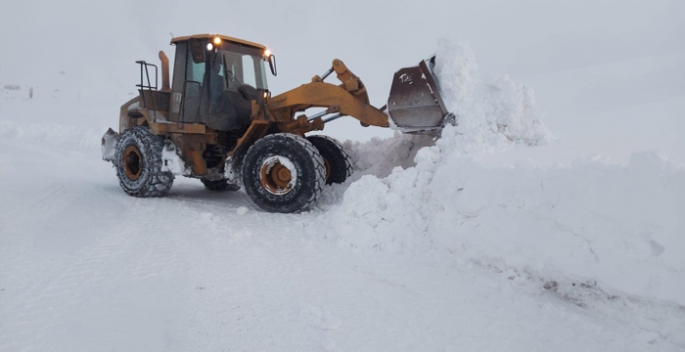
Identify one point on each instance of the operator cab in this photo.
(215, 80)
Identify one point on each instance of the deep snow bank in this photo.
(619, 225)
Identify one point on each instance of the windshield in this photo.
(242, 65)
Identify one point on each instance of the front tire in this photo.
(283, 173)
(139, 163)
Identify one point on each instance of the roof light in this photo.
(267, 52)
(217, 41)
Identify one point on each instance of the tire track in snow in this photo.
(64, 288)
(132, 256)
(248, 275)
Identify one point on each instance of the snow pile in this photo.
(380, 156)
(489, 110)
(492, 114)
(619, 225)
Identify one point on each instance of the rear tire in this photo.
(337, 162)
(283, 173)
(220, 185)
(139, 163)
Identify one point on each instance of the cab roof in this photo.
(223, 37)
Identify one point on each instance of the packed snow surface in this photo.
(472, 241)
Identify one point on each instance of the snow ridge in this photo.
(616, 225)
(489, 110)
(52, 135)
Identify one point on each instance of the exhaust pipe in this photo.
(165, 72)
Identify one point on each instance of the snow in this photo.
(242, 210)
(51, 134)
(619, 225)
(588, 220)
(546, 221)
(484, 106)
(172, 162)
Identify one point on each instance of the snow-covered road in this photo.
(84, 267)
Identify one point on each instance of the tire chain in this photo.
(151, 149)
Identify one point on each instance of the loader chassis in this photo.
(218, 110)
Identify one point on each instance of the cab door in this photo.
(187, 93)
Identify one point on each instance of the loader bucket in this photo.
(415, 104)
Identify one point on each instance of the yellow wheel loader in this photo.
(215, 119)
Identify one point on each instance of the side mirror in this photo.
(272, 64)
